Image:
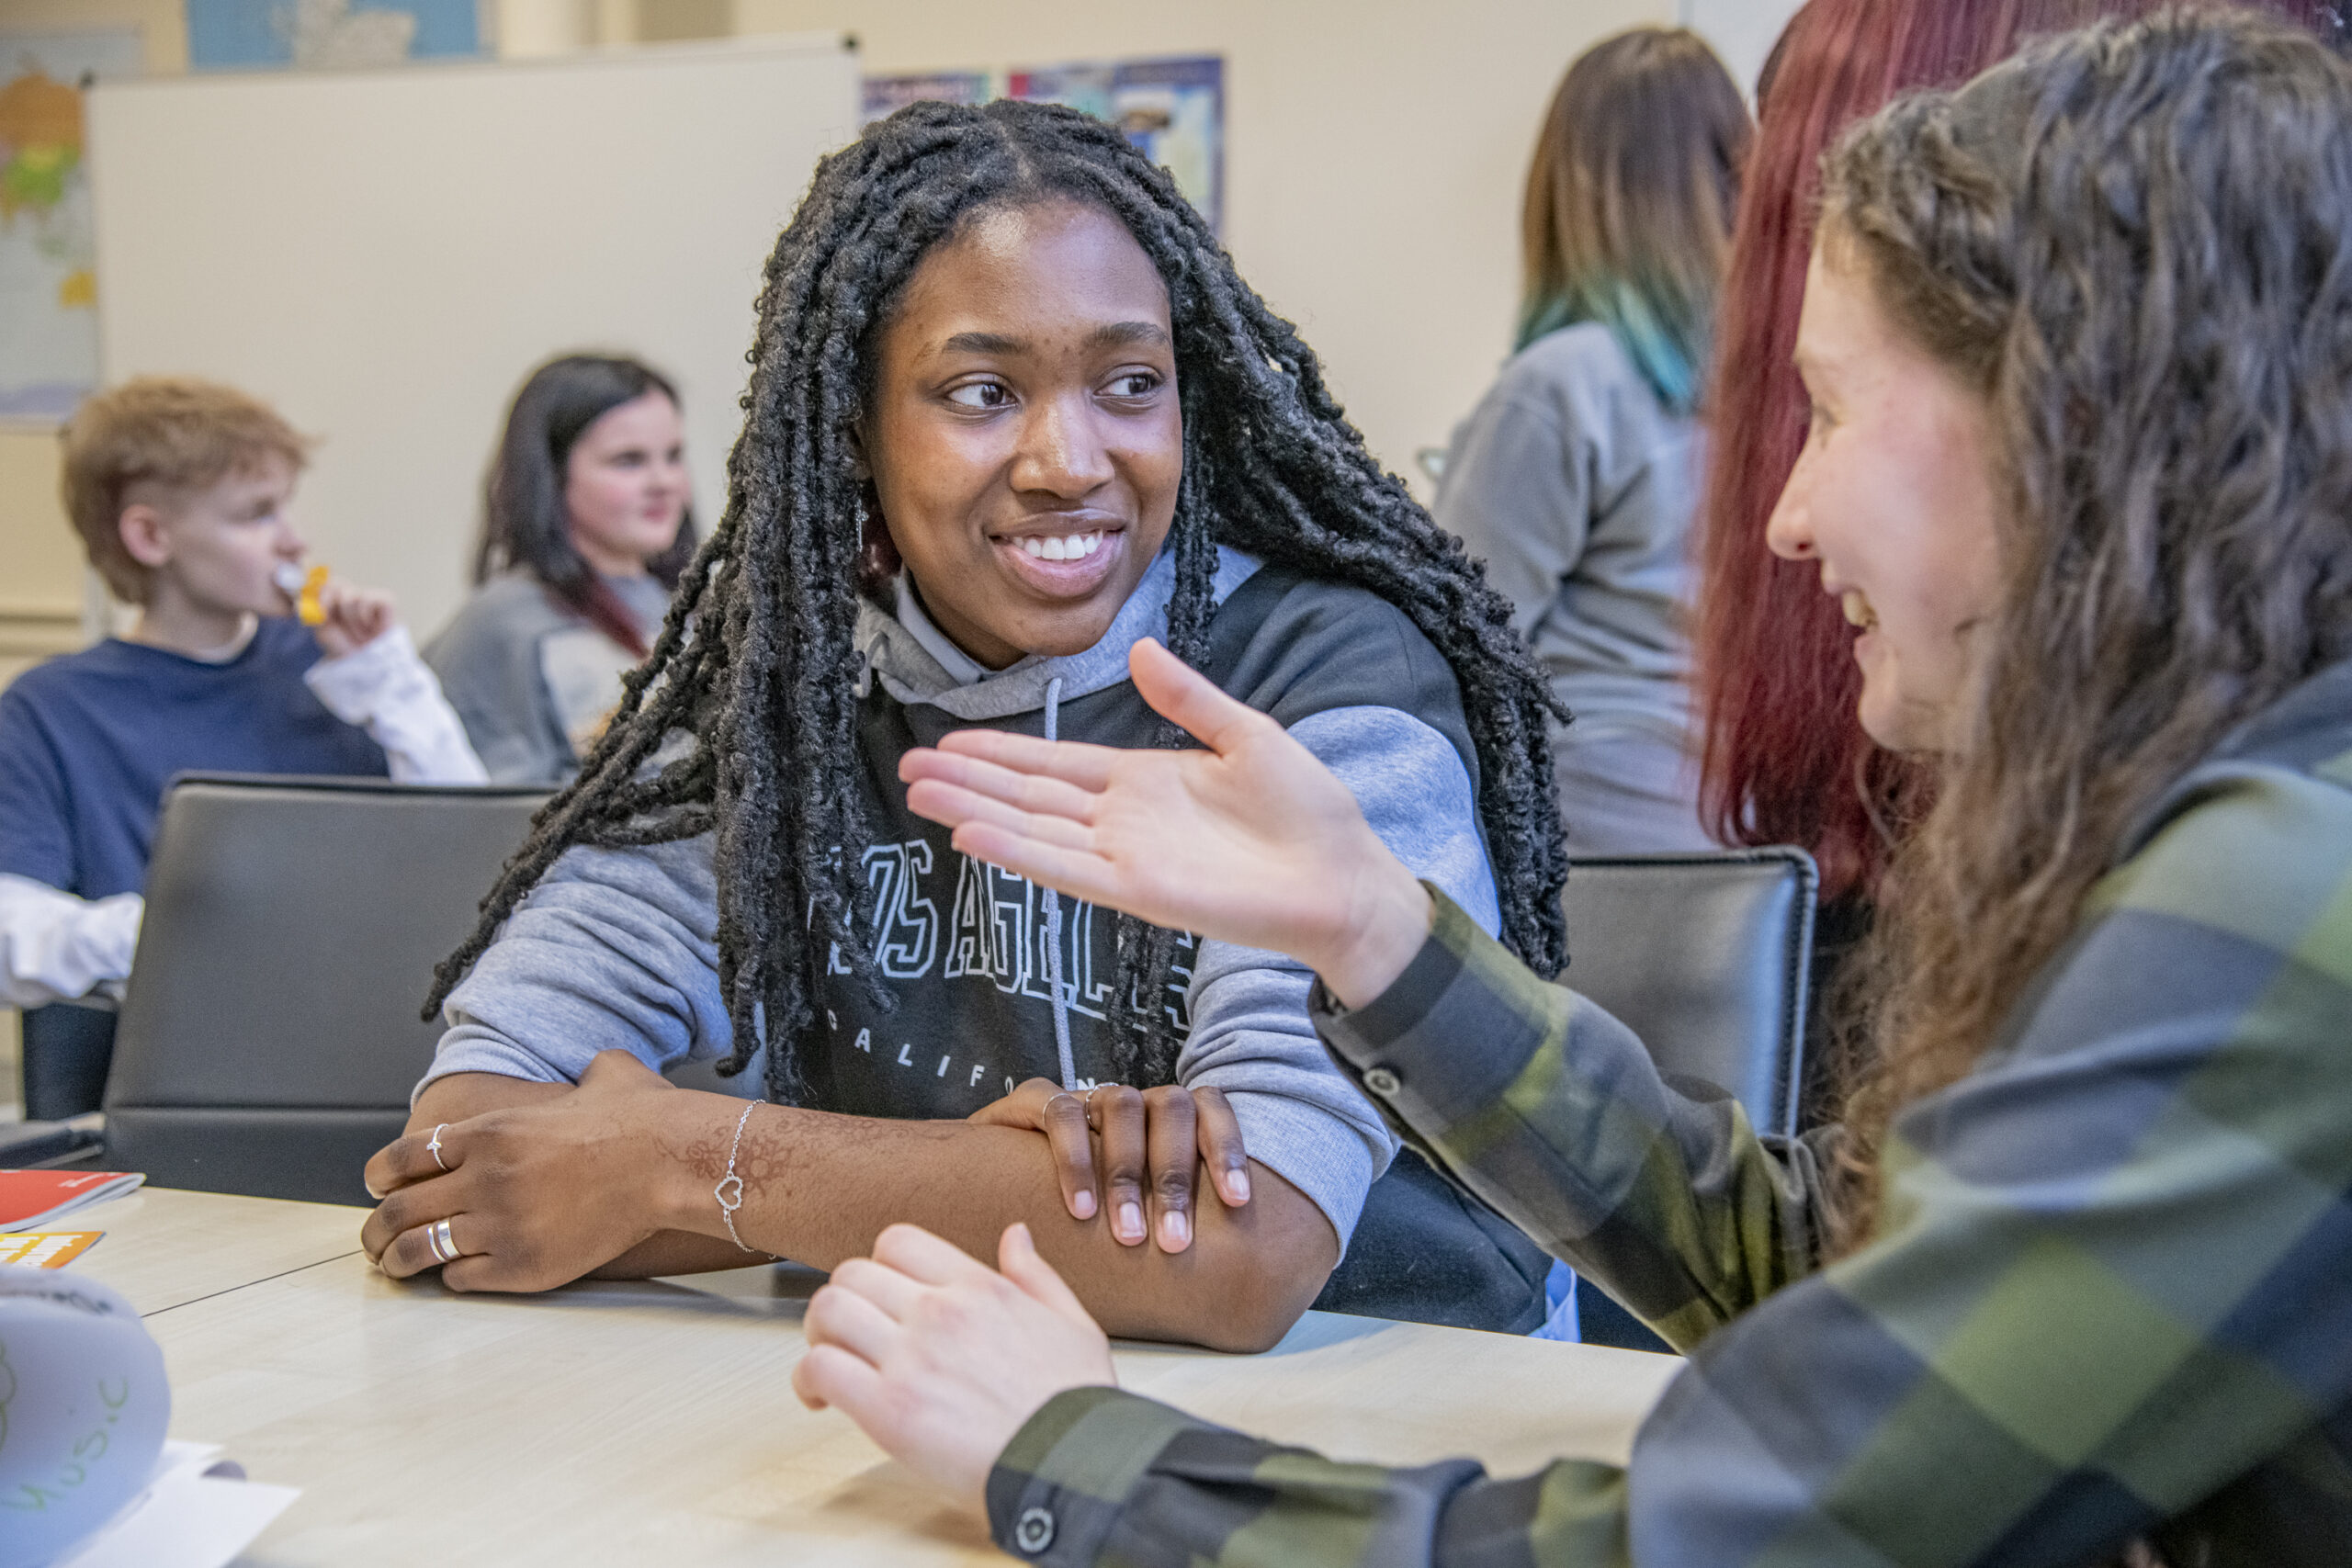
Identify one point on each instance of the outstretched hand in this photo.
(942, 1358)
(1250, 842)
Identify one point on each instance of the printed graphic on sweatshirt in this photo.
(943, 927)
(998, 928)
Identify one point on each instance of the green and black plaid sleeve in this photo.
(2112, 1296)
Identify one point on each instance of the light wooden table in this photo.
(654, 1423)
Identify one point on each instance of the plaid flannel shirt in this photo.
(2109, 1299)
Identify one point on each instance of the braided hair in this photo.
(752, 661)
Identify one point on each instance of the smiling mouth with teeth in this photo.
(1061, 546)
(1858, 610)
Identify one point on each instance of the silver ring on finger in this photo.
(444, 1245)
(434, 1148)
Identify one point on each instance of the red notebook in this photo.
(30, 1198)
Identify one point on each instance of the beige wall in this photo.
(162, 24)
(1374, 150)
(41, 561)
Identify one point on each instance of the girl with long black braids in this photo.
(1011, 411)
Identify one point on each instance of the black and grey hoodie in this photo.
(997, 980)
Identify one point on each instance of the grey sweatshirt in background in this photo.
(532, 680)
(1578, 487)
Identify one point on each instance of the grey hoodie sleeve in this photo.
(614, 950)
(1251, 1036)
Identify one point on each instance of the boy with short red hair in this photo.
(178, 489)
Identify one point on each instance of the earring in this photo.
(877, 557)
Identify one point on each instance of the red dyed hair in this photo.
(1785, 760)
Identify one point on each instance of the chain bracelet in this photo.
(730, 1190)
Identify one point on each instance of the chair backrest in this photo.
(1706, 957)
(66, 1048)
(269, 1038)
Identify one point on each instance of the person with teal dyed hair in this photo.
(1579, 475)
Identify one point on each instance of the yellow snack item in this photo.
(306, 603)
(303, 589)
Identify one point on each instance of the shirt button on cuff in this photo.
(1034, 1531)
(1383, 1082)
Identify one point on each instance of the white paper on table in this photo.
(185, 1518)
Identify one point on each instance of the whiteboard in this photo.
(383, 255)
(1743, 32)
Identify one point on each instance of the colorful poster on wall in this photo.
(49, 294)
(1174, 111)
(1087, 87)
(885, 96)
(329, 35)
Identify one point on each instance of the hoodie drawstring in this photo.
(1054, 920)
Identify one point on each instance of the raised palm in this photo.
(1251, 841)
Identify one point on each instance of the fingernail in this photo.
(1237, 1183)
(1175, 1230)
(1082, 1205)
(1131, 1222)
(373, 1194)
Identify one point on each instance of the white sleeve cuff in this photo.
(55, 947)
(356, 685)
(383, 687)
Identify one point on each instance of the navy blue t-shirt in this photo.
(88, 741)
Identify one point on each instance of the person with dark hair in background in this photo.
(2067, 1287)
(587, 523)
(1577, 478)
(1011, 411)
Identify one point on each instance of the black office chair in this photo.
(269, 1038)
(1707, 958)
(66, 1048)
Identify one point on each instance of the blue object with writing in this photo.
(84, 1405)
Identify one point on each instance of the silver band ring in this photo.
(434, 1148)
(444, 1245)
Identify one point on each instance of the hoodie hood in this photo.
(909, 671)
